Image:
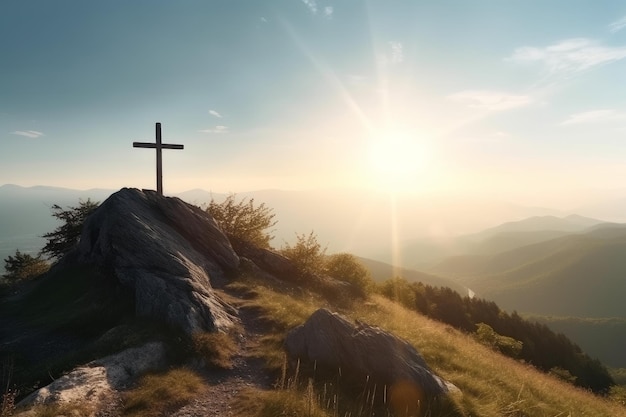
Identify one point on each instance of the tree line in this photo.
(508, 333)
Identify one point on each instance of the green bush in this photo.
(243, 220)
(65, 237)
(307, 254)
(504, 344)
(346, 267)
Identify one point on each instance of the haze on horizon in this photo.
(522, 102)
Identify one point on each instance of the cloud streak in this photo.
(215, 114)
(490, 100)
(618, 25)
(594, 116)
(28, 133)
(311, 4)
(216, 129)
(569, 56)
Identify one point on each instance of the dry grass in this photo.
(491, 384)
(159, 394)
(73, 409)
(216, 349)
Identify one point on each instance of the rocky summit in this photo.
(167, 252)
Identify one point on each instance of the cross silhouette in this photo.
(158, 146)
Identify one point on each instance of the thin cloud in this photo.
(569, 56)
(328, 11)
(28, 133)
(397, 52)
(617, 25)
(216, 129)
(594, 116)
(393, 54)
(311, 4)
(490, 100)
(215, 113)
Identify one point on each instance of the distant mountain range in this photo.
(578, 274)
(424, 253)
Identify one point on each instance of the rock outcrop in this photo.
(167, 252)
(97, 383)
(363, 353)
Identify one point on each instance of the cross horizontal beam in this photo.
(155, 145)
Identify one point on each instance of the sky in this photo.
(520, 100)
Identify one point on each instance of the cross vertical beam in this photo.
(159, 146)
(159, 159)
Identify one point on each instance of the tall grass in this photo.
(159, 394)
(490, 383)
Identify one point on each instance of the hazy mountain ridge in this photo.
(579, 274)
(500, 238)
(382, 271)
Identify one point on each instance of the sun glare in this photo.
(398, 159)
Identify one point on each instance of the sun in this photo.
(398, 159)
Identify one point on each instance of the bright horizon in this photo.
(522, 102)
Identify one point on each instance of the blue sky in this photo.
(524, 100)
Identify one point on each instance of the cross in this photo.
(158, 146)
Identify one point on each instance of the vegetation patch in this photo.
(158, 394)
(216, 349)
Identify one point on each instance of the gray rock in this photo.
(98, 382)
(167, 252)
(362, 352)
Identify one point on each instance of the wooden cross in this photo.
(158, 146)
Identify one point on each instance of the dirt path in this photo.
(224, 386)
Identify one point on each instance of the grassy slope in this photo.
(491, 384)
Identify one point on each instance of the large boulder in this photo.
(363, 353)
(167, 252)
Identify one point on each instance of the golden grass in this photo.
(216, 349)
(158, 394)
(490, 383)
(73, 409)
(280, 402)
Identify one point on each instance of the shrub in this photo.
(65, 237)
(504, 344)
(307, 254)
(243, 220)
(399, 290)
(216, 349)
(346, 267)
